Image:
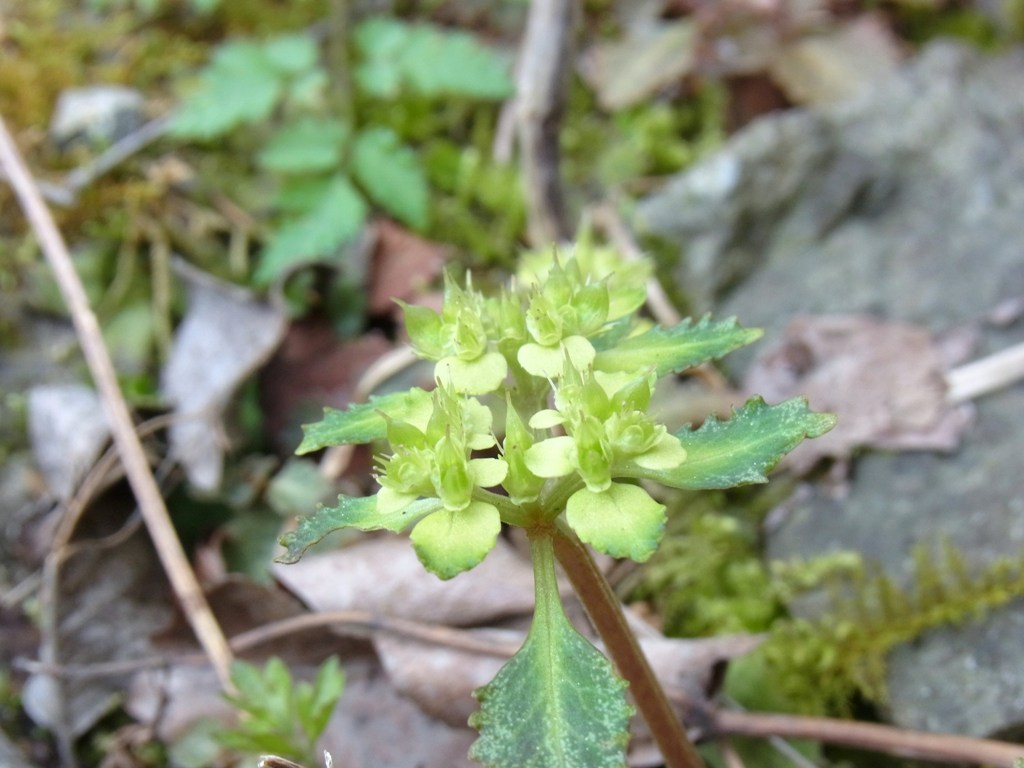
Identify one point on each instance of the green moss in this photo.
(825, 662)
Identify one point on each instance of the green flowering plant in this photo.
(540, 419)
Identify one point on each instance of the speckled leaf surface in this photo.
(742, 450)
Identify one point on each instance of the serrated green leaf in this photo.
(428, 59)
(557, 703)
(450, 542)
(300, 194)
(307, 145)
(623, 521)
(442, 62)
(391, 174)
(380, 42)
(327, 689)
(364, 422)
(249, 683)
(742, 450)
(291, 54)
(678, 348)
(352, 512)
(239, 86)
(336, 218)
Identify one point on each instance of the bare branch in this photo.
(542, 82)
(140, 477)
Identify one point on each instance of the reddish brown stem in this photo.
(605, 612)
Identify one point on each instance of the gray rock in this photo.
(906, 204)
(97, 114)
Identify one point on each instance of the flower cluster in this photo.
(535, 347)
(432, 458)
(540, 415)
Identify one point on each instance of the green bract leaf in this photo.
(724, 454)
(351, 512)
(557, 703)
(336, 218)
(623, 521)
(554, 457)
(549, 362)
(365, 422)
(424, 327)
(307, 145)
(391, 174)
(475, 377)
(450, 542)
(676, 349)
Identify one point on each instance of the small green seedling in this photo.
(279, 715)
(331, 160)
(540, 419)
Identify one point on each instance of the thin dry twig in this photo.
(986, 375)
(359, 624)
(541, 86)
(939, 747)
(730, 756)
(65, 193)
(113, 156)
(141, 479)
(606, 218)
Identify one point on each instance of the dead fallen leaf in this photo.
(383, 576)
(176, 697)
(111, 598)
(224, 337)
(312, 369)
(375, 726)
(627, 71)
(403, 266)
(885, 380)
(837, 64)
(68, 429)
(441, 679)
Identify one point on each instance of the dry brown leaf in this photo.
(111, 598)
(885, 381)
(376, 726)
(838, 64)
(224, 337)
(404, 266)
(175, 698)
(312, 369)
(441, 679)
(627, 71)
(68, 429)
(383, 576)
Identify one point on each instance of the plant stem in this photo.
(541, 87)
(338, 56)
(606, 614)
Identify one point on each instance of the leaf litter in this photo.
(225, 336)
(885, 380)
